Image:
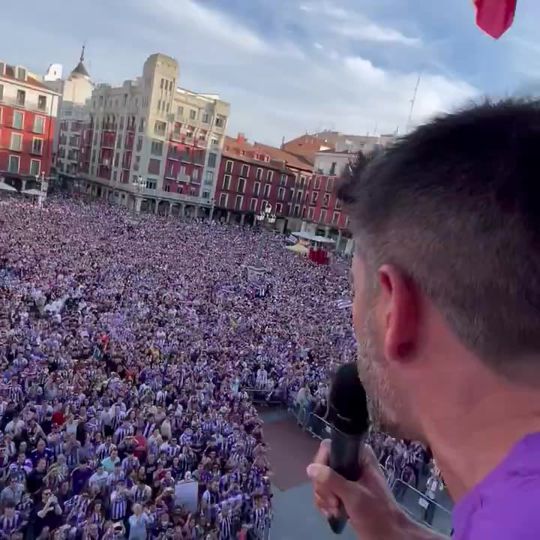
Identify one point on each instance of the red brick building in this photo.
(249, 179)
(28, 111)
(323, 212)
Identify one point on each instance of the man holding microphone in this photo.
(447, 316)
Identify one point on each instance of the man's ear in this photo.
(397, 311)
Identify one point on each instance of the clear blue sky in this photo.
(288, 66)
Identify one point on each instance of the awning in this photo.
(7, 187)
(32, 192)
(313, 237)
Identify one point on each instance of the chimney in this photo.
(241, 138)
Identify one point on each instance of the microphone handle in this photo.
(345, 460)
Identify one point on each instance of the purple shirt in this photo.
(504, 506)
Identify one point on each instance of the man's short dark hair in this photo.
(456, 206)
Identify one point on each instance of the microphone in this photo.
(349, 418)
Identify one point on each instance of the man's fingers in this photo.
(327, 481)
(323, 453)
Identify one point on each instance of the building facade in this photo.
(73, 115)
(150, 144)
(250, 179)
(28, 111)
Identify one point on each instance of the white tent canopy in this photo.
(7, 187)
(32, 192)
(313, 238)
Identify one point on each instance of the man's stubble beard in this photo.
(383, 402)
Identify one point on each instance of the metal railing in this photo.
(422, 508)
(260, 396)
(418, 505)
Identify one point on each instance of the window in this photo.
(258, 174)
(296, 210)
(229, 166)
(281, 193)
(335, 218)
(223, 200)
(151, 184)
(157, 148)
(205, 118)
(195, 174)
(39, 124)
(317, 183)
(162, 83)
(180, 112)
(13, 164)
(279, 208)
(227, 182)
(322, 216)
(253, 205)
(299, 196)
(154, 166)
(18, 119)
(338, 204)
(192, 114)
(37, 146)
(220, 121)
(135, 165)
(256, 189)
(1, 92)
(16, 142)
(21, 97)
(215, 142)
(142, 124)
(139, 143)
(326, 199)
(241, 185)
(159, 128)
(212, 158)
(35, 167)
(310, 213)
(42, 103)
(314, 197)
(205, 194)
(245, 170)
(267, 188)
(209, 178)
(238, 202)
(333, 169)
(167, 188)
(329, 184)
(283, 180)
(269, 175)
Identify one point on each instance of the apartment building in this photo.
(250, 180)
(28, 111)
(150, 144)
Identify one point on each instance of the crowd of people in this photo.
(127, 346)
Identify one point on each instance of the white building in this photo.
(76, 90)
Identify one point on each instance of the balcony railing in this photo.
(25, 105)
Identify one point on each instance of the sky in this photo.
(288, 67)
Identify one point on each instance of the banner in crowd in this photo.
(186, 494)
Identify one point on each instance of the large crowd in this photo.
(127, 346)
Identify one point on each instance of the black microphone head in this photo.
(347, 404)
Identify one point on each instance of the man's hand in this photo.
(373, 512)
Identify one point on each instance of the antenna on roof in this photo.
(413, 102)
(82, 51)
